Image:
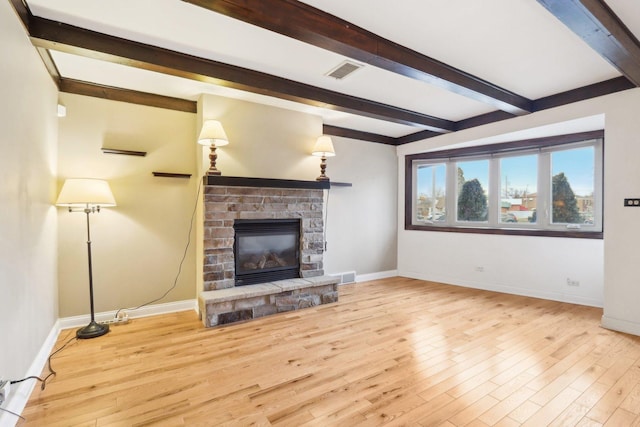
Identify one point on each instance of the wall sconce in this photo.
(323, 149)
(213, 136)
(88, 196)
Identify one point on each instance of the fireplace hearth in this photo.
(266, 250)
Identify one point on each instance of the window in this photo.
(572, 186)
(547, 186)
(431, 192)
(472, 186)
(518, 189)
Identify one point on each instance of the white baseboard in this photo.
(146, 311)
(620, 325)
(19, 394)
(526, 292)
(376, 276)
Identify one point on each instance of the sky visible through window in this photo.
(425, 179)
(577, 165)
(476, 169)
(519, 174)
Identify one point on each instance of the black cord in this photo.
(32, 377)
(52, 372)
(184, 256)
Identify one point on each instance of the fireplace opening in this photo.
(266, 250)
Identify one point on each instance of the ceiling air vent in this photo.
(343, 70)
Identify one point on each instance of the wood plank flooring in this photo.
(392, 352)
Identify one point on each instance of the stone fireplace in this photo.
(234, 287)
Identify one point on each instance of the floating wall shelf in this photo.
(172, 175)
(340, 184)
(124, 152)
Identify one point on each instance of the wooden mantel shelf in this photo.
(237, 181)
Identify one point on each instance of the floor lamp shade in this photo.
(80, 192)
(88, 196)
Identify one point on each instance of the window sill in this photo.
(508, 231)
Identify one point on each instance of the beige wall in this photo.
(137, 245)
(28, 123)
(269, 142)
(264, 141)
(361, 222)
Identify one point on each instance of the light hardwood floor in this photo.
(391, 352)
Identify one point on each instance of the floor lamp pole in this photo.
(93, 329)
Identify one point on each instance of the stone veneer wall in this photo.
(224, 204)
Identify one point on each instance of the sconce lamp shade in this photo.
(213, 134)
(83, 192)
(323, 147)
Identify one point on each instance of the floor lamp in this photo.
(88, 196)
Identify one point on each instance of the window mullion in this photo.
(543, 203)
(452, 192)
(414, 191)
(495, 203)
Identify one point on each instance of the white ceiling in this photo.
(515, 44)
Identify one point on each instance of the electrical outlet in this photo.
(572, 282)
(120, 320)
(4, 390)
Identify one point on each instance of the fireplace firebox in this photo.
(266, 250)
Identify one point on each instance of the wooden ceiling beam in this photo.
(358, 134)
(66, 38)
(46, 34)
(310, 25)
(595, 23)
(50, 65)
(22, 11)
(575, 95)
(126, 95)
(606, 87)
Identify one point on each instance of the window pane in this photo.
(518, 189)
(431, 192)
(572, 186)
(472, 185)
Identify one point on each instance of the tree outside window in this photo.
(565, 205)
(472, 202)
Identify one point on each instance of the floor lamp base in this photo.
(92, 330)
